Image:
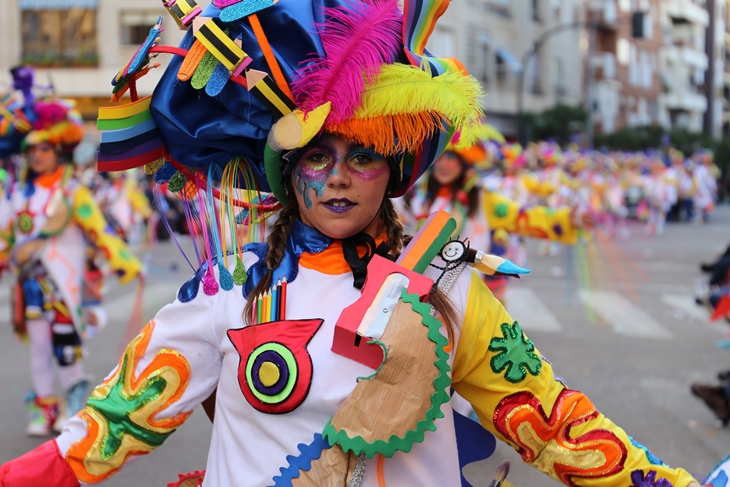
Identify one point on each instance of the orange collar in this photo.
(48, 180)
(331, 261)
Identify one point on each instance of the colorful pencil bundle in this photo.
(271, 305)
(130, 137)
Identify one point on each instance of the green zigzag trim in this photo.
(388, 448)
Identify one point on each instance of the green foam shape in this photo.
(123, 123)
(388, 448)
(204, 71)
(435, 247)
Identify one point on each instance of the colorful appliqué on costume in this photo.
(121, 414)
(546, 443)
(501, 210)
(275, 371)
(301, 463)
(524, 227)
(515, 353)
(638, 479)
(25, 222)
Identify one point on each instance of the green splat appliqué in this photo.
(117, 407)
(84, 211)
(515, 353)
(501, 210)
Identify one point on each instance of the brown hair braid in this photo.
(275, 245)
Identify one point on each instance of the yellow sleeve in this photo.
(534, 221)
(87, 215)
(517, 397)
(139, 201)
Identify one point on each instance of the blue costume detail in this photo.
(303, 462)
(474, 443)
(649, 455)
(302, 239)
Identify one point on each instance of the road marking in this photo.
(687, 305)
(624, 317)
(529, 311)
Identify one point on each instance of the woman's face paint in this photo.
(339, 186)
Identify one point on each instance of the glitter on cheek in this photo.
(310, 178)
(373, 172)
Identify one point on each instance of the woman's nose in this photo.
(339, 176)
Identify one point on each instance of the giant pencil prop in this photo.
(366, 319)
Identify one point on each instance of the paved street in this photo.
(624, 330)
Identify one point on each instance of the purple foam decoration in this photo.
(276, 359)
(135, 152)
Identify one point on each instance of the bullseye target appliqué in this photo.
(275, 370)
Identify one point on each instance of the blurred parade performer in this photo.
(485, 216)
(706, 174)
(716, 296)
(124, 206)
(326, 353)
(47, 219)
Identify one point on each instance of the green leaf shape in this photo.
(116, 408)
(515, 353)
(388, 448)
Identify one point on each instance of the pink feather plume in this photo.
(357, 38)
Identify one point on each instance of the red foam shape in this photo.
(187, 476)
(722, 309)
(346, 341)
(130, 163)
(294, 335)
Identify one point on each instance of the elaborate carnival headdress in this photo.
(25, 120)
(254, 80)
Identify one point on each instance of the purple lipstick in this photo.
(339, 205)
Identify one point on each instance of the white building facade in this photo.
(78, 46)
(491, 37)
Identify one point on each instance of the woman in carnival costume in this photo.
(485, 216)
(350, 389)
(46, 220)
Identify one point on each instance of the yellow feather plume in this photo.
(405, 105)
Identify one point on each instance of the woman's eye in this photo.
(361, 158)
(318, 157)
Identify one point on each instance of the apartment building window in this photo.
(136, 26)
(484, 57)
(536, 10)
(555, 7)
(623, 48)
(533, 75)
(61, 36)
(558, 77)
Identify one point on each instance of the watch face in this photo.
(453, 251)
